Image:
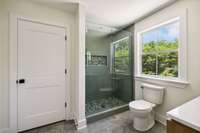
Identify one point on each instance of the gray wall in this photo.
(97, 77)
(123, 85)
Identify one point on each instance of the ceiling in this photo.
(66, 5)
(120, 13)
(111, 13)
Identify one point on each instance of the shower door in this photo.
(109, 82)
(121, 68)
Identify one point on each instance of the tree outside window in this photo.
(160, 51)
(120, 56)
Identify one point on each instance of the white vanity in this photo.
(185, 118)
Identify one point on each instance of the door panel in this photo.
(41, 62)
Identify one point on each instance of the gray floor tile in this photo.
(119, 123)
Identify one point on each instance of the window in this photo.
(120, 56)
(160, 50)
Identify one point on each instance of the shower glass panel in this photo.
(109, 81)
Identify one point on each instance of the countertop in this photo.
(187, 114)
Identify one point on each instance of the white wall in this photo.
(37, 12)
(177, 96)
(1, 75)
(79, 65)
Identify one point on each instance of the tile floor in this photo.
(119, 123)
(99, 105)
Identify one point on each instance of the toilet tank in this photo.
(152, 93)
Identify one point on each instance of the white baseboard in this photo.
(161, 119)
(69, 117)
(81, 124)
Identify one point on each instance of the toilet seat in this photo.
(141, 105)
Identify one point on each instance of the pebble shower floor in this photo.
(103, 104)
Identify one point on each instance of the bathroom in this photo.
(99, 66)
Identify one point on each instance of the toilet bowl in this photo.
(143, 110)
(143, 114)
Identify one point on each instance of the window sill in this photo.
(161, 81)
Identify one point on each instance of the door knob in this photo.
(21, 81)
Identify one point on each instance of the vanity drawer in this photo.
(176, 127)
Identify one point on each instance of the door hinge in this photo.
(65, 71)
(66, 38)
(65, 104)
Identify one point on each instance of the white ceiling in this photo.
(111, 13)
(120, 13)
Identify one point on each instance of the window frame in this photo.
(182, 52)
(157, 52)
(112, 56)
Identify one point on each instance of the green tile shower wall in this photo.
(99, 78)
(124, 89)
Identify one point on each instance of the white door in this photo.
(41, 74)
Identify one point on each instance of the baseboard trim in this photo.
(81, 124)
(161, 119)
(69, 117)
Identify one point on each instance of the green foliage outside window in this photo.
(160, 50)
(160, 58)
(120, 55)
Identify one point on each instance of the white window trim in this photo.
(177, 19)
(181, 81)
(163, 81)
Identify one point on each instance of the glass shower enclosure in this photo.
(109, 80)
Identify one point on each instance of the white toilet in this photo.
(144, 109)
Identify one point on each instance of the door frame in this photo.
(13, 57)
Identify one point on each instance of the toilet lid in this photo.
(141, 105)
